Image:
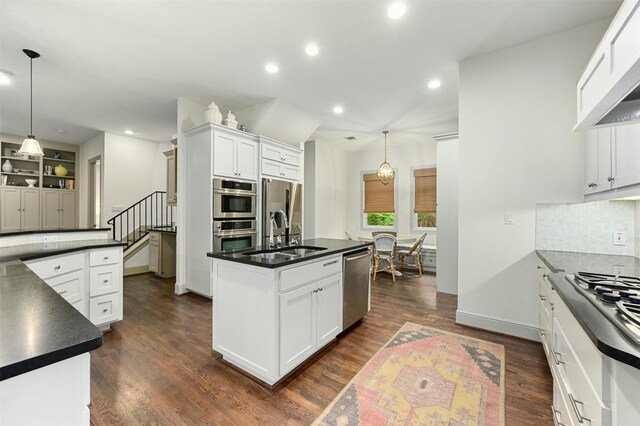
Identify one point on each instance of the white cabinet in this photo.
(19, 209)
(310, 317)
(269, 321)
(279, 161)
(612, 71)
(234, 156)
(58, 209)
(101, 299)
(611, 158)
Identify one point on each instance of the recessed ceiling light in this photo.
(4, 79)
(312, 49)
(396, 10)
(338, 109)
(271, 68)
(434, 84)
(61, 131)
(129, 132)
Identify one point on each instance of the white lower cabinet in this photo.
(310, 317)
(269, 321)
(91, 281)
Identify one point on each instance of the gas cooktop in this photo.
(617, 297)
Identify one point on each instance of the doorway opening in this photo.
(95, 191)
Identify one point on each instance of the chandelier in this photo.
(385, 171)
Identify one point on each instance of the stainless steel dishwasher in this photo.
(356, 268)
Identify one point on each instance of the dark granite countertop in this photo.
(604, 335)
(37, 326)
(167, 229)
(51, 231)
(38, 250)
(332, 246)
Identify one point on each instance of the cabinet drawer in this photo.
(70, 286)
(80, 306)
(57, 265)
(291, 278)
(154, 236)
(280, 154)
(104, 309)
(584, 399)
(104, 279)
(429, 260)
(104, 257)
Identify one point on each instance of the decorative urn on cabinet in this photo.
(7, 167)
(230, 121)
(213, 114)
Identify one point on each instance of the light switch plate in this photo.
(618, 270)
(117, 209)
(50, 238)
(508, 219)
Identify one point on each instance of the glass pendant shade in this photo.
(385, 171)
(30, 146)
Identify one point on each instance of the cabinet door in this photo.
(290, 172)
(297, 327)
(154, 256)
(51, 209)
(271, 168)
(247, 157)
(68, 209)
(271, 152)
(604, 160)
(10, 209)
(291, 157)
(172, 179)
(70, 285)
(627, 155)
(328, 309)
(30, 209)
(224, 155)
(591, 161)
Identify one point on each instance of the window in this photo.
(379, 202)
(424, 198)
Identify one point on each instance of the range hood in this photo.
(628, 109)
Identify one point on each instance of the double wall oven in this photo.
(234, 215)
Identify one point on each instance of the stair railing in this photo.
(135, 222)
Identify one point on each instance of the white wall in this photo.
(637, 230)
(330, 193)
(90, 149)
(447, 230)
(517, 108)
(401, 156)
(587, 227)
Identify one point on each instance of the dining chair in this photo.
(414, 253)
(384, 250)
(394, 233)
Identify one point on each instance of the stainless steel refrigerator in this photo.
(285, 196)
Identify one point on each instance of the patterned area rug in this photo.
(424, 376)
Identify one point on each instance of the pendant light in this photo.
(385, 171)
(30, 145)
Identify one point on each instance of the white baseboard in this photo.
(134, 270)
(180, 289)
(501, 326)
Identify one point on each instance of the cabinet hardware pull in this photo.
(545, 275)
(574, 404)
(557, 360)
(56, 267)
(539, 267)
(542, 333)
(331, 263)
(610, 179)
(592, 185)
(320, 289)
(542, 297)
(105, 258)
(62, 292)
(105, 281)
(554, 416)
(315, 291)
(105, 310)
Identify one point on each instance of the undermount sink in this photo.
(283, 253)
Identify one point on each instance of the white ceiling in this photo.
(115, 65)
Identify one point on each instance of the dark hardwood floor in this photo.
(157, 366)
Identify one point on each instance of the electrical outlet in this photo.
(117, 209)
(508, 218)
(50, 238)
(619, 238)
(618, 270)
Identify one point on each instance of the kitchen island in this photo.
(273, 310)
(45, 339)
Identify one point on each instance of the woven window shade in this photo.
(425, 187)
(378, 198)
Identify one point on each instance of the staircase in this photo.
(132, 226)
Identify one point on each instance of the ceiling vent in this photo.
(350, 138)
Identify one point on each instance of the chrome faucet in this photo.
(273, 222)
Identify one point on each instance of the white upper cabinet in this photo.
(614, 69)
(234, 157)
(627, 155)
(279, 161)
(598, 166)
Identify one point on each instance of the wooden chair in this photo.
(384, 250)
(348, 236)
(413, 252)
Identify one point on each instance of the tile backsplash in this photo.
(589, 227)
